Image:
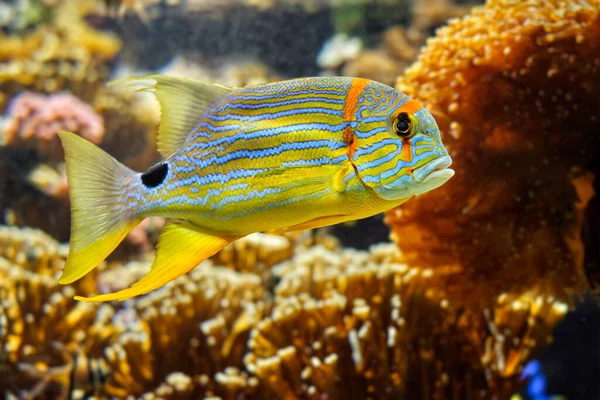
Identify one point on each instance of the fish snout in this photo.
(432, 175)
(436, 166)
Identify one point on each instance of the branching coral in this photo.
(198, 325)
(49, 342)
(31, 249)
(256, 253)
(514, 87)
(363, 325)
(64, 53)
(39, 322)
(339, 317)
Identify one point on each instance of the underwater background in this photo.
(485, 288)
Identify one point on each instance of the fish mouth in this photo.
(432, 175)
(423, 179)
(434, 169)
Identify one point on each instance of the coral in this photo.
(345, 323)
(362, 325)
(40, 324)
(514, 89)
(32, 250)
(50, 343)
(198, 325)
(256, 253)
(34, 121)
(63, 53)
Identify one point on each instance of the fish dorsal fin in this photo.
(182, 101)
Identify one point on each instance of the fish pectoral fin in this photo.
(181, 247)
(182, 102)
(313, 223)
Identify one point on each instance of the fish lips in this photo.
(423, 179)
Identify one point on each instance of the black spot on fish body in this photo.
(155, 175)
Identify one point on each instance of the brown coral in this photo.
(256, 253)
(362, 325)
(50, 344)
(197, 325)
(39, 326)
(514, 87)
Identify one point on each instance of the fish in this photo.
(277, 157)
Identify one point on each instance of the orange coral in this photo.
(514, 87)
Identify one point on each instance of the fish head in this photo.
(399, 151)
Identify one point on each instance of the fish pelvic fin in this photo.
(181, 247)
(98, 223)
(182, 103)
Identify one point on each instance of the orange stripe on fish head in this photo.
(406, 151)
(411, 107)
(356, 89)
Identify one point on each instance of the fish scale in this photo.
(277, 157)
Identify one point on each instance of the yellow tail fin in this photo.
(98, 224)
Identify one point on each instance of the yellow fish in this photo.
(277, 157)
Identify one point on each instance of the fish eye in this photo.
(404, 126)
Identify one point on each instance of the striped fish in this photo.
(278, 157)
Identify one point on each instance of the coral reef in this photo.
(341, 323)
(514, 89)
(486, 263)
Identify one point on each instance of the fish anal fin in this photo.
(181, 247)
(182, 103)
